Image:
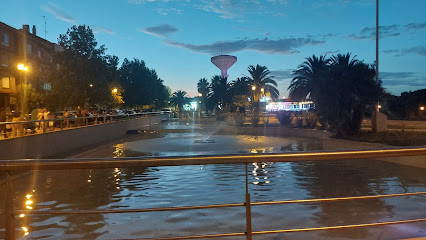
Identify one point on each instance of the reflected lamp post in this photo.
(23, 69)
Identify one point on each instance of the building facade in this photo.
(22, 46)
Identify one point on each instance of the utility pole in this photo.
(377, 47)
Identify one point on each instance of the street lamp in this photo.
(200, 94)
(115, 90)
(90, 85)
(422, 108)
(24, 69)
(253, 88)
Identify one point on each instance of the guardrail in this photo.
(51, 164)
(73, 122)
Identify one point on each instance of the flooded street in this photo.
(156, 187)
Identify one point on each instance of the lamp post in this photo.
(23, 69)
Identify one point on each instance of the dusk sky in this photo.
(178, 37)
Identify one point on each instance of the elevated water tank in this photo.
(224, 62)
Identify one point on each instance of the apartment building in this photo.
(22, 46)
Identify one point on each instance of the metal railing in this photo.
(74, 122)
(54, 164)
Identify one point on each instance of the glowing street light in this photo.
(115, 90)
(253, 88)
(379, 106)
(262, 89)
(422, 108)
(90, 85)
(200, 94)
(23, 68)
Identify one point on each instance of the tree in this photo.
(84, 73)
(220, 91)
(240, 86)
(141, 85)
(261, 84)
(308, 77)
(341, 89)
(178, 99)
(203, 88)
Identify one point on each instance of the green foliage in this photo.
(141, 85)
(341, 88)
(311, 119)
(284, 117)
(179, 99)
(84, 72)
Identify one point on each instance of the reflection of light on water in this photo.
(116, 174)
(260, 169)
(28, 206)
(262, 150)
(119, 150)
(26, 231)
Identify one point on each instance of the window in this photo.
(5, 82)
(47, 86)
(39, 53)
(4, 60)
(29, 48)
(5, 39)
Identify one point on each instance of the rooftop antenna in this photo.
(45, 29)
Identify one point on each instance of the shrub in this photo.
(284, 117)
(311, 119)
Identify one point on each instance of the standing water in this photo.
(155, 187)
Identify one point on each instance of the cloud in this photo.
(97, 29)
(369, 33)
(415, 26)
(392, 75)
(59, 13)
(167, 11)
(268, 46)
(160, 31)
(331, 52)
(397, 82)
(282, 75)
(147, 1)
(419, 50)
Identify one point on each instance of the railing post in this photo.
(248, 209)
(9, 211)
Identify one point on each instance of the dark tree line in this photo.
(222, 94)
(86, 76)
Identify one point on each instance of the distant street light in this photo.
(262, 89)
(422, 108)
(253, 88)
(115, 90)
(90, 85)
(200, 94)
(24, 69)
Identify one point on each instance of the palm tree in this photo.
(308, 77)
(220, 91)
(178, 99)
(240, 86)
(203, 88)
(261, 84)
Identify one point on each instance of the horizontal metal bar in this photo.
(337, 199)
(105, 211)
(189, 237)
(340, 227)
(92, 163)
(86, 117)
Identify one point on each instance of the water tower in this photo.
(224, 62)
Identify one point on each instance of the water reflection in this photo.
(214, 184)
